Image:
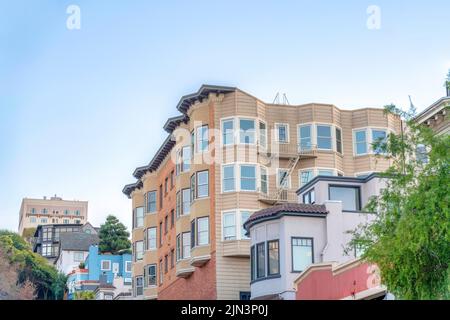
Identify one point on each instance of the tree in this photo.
(447, 81)
(114, 236)
(84, 295)
(409, 240)
(10, 288)
(31, 267)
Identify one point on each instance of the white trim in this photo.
(222, 120)
(289, 186)
(356, 174)
(259, 135)
(237, 176)
(125, 267)
(237, 223)
(331, 136)
(254, 119)
(277, 133)
(101, 265)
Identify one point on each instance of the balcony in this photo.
(289, 150)
(285, 196)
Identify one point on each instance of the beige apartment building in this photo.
(228, 155)
(53, 210)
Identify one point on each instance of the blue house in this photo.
(107, 275)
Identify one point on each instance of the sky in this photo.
(80, 109)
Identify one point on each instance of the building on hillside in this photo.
(46, 240)
(287, 238)
(352, 280)
(74, 249)
(227, 155)
(105, 274)
(50, 211)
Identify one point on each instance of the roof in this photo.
(174, 122)
(202, 93)
(77, 241)
(432, 110)
(289, 209)
(129, 188)
(56, 225)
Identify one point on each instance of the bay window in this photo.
(185, 159)
(186, 245)
(228, 183)
(248, 177)
(246, 131)
(244, 217)
(360, 144)
(324, 137)
(304, 134)
(202, 184)
(228, 132)
(139, 217)
(202, 138)
(260, 260)
(302, 253)
(186, 201)
(229, 225)
(202, 231)
(273, 258)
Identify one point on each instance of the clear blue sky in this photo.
(80, 109)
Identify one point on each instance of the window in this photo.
(44, 220)
(44, 211)
(172, 218)
(273, 258)
(151, 201)
(349, 195)
(166, 185)
(77, 221)
(244, 295)
(309, 197)
(186, 159)
(229, 225)
(324, 137)
(166, 224)
(78, 256)
(305, 137)
(248, 177)
(105, 265)
(139, 286)
(160, 196)
(203, 231)
(244, 217)
(151, 238)
(378, 136)
(47, 234)
(139, 217)
(262, 134)
(246, 131)
(166, 263)
(151, 275)
(47, 250)
(172, 259)
(260, 260)
(282, 132)
(228, 132)
(161, 274)
(33, 210)
(33, 219)
(306, 176)
(186, 245)
(421, 154)
(160, 234)
(77, 212)
(171, 180)
(178, 247)
(202, 184)
(338, 140)
(202, 139)
(192, 233)
(66, 212)
(228, 183)
(325, 172)
(283, 179)
(252, 263)
(360, 142)
(302, 253)
(264, 180)
(186, 195)
(192, 188)
(139, 250)
(178, 204)
(66, 221)
(128, 266)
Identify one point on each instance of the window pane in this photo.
(348, 195)
(325, 172)
(283, 179)
(228, 132)
(260, 261)
(244, 217)
(186, 245)
(301, 253)
(324, 137)
(229, 226)
(305, 137)
(247, 131)
(263, 180)
(202, 138)
(360, 141)
(139, 217)
(186, 201)
(282, 132)
(202, 184)
(338, 140)
(248, 178)
(273, 258)
(203, 231)
(228, 178)
(306, 176)
(186, 166)
(151, 201)
(378, 136)
(262, 134)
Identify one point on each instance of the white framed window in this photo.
(378, 135)
(139, 250)
(151, 201)
(302, 253)
(338, 137)
(105, 265)
(247, 177)
(139, 212)
(262, 134)
(263, 180)
(282, 132)
(185, 159)
(151, 238)
(326, 172)
(128, 266)
(186, 245)
(233, 224)
(246, 131)
(360, 142)
(228, 178)
(202, 184)
(151, 275)
(309, 197)
(202, 139)
(283, 179)
(228, 132)
(202, 231)
(78, 256)
(305, 137)
(186, 201)
(139, 286)
(244, 217)
(306, 176)
(324, 137)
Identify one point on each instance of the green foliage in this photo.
(114, 237)
(447, 80)
(32, 267)
(409, 240)
(84, 295)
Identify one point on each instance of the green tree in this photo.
(114, 236)
(31, 267)
(409, 240)
(447, 80)
(84, 295)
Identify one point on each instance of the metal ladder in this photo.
(292, 164)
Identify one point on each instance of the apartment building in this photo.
(226, 156)
(53, 210)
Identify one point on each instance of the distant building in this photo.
(287, 238)
(54, 210)
(74, 249)
(107, 275)
(46, 239)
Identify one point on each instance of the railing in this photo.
(289, 149)
(282, 196)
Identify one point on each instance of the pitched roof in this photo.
(202, 93)
(292, 209)
(79, 241)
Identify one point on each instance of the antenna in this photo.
(277, 100)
